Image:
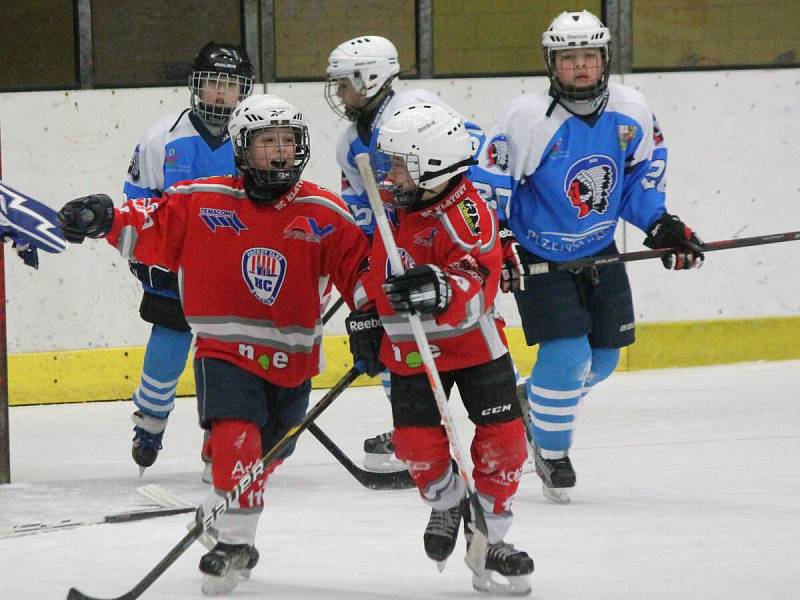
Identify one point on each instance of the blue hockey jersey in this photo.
(173, 149)
(350, 144)
(176, 148)
(573, 178)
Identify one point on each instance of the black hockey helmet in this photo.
(224, 58)
(224, 72)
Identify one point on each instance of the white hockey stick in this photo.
(161, 496)
(8, 530)
(476, 555)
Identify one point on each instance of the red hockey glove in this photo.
(512, 276)
(668, 231)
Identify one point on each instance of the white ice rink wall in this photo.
(732, 138)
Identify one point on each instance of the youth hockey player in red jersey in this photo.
(253, 253)
(447, 237)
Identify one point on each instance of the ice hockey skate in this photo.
(557, 477)
(379, 454)
(507, 571)
(225, 565)
(148, 431)
(442, 532)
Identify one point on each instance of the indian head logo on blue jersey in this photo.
(589, 183)
(264, 270)
(405, 258)
(307, 229)
(217, 218)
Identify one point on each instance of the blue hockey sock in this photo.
(164, 362)
(554, 392)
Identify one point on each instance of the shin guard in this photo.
(426, 453)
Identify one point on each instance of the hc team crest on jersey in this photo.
(307, 229)
(405, 258)
(497, 153)
(469, 212)
(589, 183)
(626, 135)
(264, 270)
(217, 218)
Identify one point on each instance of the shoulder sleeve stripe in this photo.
(329, 204)
(195, 187)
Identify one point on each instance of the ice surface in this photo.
(688, 487)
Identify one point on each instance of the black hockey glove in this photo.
(668, 231)
(423, 289)
(512, 276)
(366, 332)
(89, 216)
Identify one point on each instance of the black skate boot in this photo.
(507, 571)
(442, 532)
(148, 432)
(379, 454)
(557, 477)
(224, 565)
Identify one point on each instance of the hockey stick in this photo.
(609, 259)
(204, 521)
(332, 310)
(476, 554)
(393, 480)
(9, 531)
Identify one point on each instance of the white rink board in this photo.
(730, 133)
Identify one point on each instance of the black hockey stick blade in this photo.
(204, 521)
(394, 480)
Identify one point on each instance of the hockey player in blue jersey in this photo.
(579, 158)
(359, 88)
(29, 225)
(188, 145)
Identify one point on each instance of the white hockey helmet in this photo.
(251, 116)
(369, 62)
(576, 30)
(431, 141)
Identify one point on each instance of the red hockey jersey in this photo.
(251, 274)
(458, 234)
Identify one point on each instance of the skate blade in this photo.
(214, 586)
(141, 472)
(556, 495)
(494, 583)
(383, 463)
(441, 564)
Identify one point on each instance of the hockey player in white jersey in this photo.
(359, 88)
(187, 145)
(578, 158)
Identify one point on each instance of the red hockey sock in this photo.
(498, 453)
